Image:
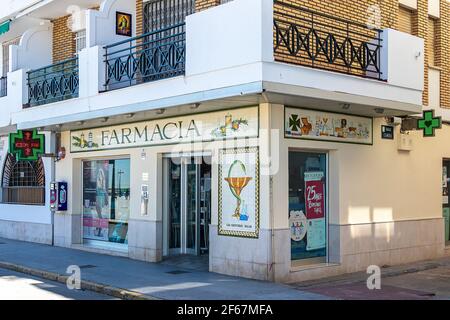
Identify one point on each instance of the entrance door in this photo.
(187, 210)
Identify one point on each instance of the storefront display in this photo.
(106, 200)
(307, 205)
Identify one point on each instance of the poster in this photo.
(298, 225)
(96, 200)
(315, 210)
(327, 126)
(123, 24)
(239, 192)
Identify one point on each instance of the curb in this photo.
(85, 285)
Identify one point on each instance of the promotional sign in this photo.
(220, 125)
(298, 224)
(429, 123)
(315, 210)
(328, 126)
(239, 192)
(27, 145)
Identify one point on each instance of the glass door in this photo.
(187, 212)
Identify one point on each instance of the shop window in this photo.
(308, 206)
(106, 200)
(23, 182)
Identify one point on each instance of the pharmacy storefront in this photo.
(162, 188)
(269, 192)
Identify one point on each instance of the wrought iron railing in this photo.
(3, 86)
(317, 40)
(152, 56)
(53, 83)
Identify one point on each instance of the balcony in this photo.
(3, 87)
(53, 83)
(249, 47)
(317, 40)
(149, 57)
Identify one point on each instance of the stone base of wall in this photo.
(355, 247)
(26, 231)
(243, 257)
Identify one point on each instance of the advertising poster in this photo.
(327, 126)
(239, 192)
(315, 210)
(96, 209)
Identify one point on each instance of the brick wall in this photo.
(357, 11)
(205, 4)
(443, 52)
(63, 40)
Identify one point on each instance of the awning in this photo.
(4, 27)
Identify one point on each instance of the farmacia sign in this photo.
(228, 124)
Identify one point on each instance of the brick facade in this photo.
(205, 4)
(356, 11)
(63, 40)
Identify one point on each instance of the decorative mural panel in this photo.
(239, 192)
(328, 126)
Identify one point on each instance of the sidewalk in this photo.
(105, 274)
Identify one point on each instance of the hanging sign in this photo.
(315, 210)
(220, 125)
(429, 123)
(27, 144)
(327, 126)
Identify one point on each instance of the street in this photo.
(17, 286)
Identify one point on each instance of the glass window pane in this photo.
(106, 200)
(307, 205)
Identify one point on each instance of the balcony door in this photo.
(161, 14)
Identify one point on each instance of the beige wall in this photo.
(375, 183)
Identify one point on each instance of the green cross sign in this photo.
(26, 144)
(429, 123)
(294, 122)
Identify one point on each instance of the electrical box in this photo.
(405, 142)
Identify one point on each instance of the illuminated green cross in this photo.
(429, 123)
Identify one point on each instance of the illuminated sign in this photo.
(26, 144)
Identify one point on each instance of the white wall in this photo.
(434, 8)
(100, 25)
(411, 4)
(24, 213)
(233, 34)
(402, 61)
(34, 50)
(15, 98)
(10, 7)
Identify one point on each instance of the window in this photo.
(405, 20)
(431, 42)
(106, 200)
(5, 55)
(80, 40)
(160, 14)
(307, 206)
(23, 181)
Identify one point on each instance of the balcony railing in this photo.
(152, 56)
(53, 83)
(316, 40)
(3, 86)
